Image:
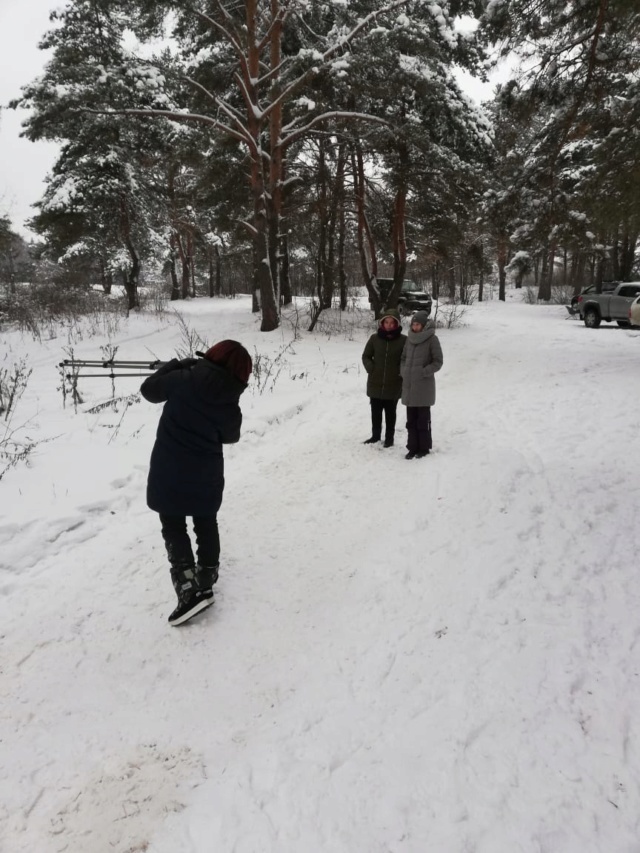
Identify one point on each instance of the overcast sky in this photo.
(24, 164)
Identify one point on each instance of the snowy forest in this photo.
(298, 147)
(406, 653)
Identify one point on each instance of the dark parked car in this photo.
(412, 297)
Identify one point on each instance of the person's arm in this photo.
(229, 432)
(367, 356)
(403, 359)
(436, 358)
(158, 388)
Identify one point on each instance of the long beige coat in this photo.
(421, 359)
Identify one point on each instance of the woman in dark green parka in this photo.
(381, 359)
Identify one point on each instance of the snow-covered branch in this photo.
(173, 115)
(297, 133)
(226, 32)
(279, 19)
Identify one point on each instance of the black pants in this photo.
(178, 544)
(377, 408)
(419, 429)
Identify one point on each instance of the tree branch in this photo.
(334, 114)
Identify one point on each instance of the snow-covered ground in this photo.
(434, 656)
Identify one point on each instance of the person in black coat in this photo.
(186, 474)
(381, 359)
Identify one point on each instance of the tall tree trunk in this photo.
(255, 289)
(218, 285)
(452, 277)
(503, 252)
(399, 244)
(211, 282)
(435, 280)
(285, 270)
(186, 277)
(366, 244)
(323, 225)
(263, 277)
(342, 228)
(132, 278)
(192, 264)
(627, 255)
(544, 291)
(615, 253)
(106, 277)
(578, 281)
(175, 286)
(398, 225)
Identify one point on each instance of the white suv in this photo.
(634, 312)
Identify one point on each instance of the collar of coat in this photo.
(419, 337)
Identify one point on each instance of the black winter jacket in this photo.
(381, 359)
(201, 413)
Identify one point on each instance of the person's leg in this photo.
(412, 431)
(390, 408)
(208, 551)
(376, 420)
(424, 430)
(207, 539)
(176, 540)
(183, 569)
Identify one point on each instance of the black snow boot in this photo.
(190, 598)
(206, 576)
(372, 440)
(388, 442)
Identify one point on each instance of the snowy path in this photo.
(436, 655)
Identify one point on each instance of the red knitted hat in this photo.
(234, 357)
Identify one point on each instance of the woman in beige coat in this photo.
(421, 359)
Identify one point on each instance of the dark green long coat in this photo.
(381, 359)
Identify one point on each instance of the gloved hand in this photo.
(172, 364)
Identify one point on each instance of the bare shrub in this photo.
(44, 310)
(13, 383)
(266, 370)
(154, 299)
(13, 447)
(449, 316)
(69, 375)
(561, 294)
(190, 340)
(344, 324)
(292, 316)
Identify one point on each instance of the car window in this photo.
(631, 290)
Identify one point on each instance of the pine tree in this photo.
(100, 198)
(577, 93)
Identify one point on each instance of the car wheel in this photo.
(591, 318)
